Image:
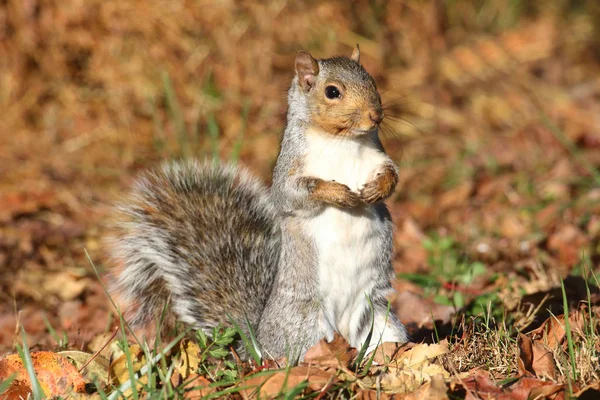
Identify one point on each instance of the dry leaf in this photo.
(552, 331)
(412, 368)
(198, 387)
(96, 369)
(189, 353)
(567, 243)
(119, 371)
(422, 353)
(335, 354)
(387, 351)
(269, 386)
(432, 390)
(535, 358)
(411, 307)
(57, 376)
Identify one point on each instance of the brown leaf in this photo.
(533, 388)
(198, 387)
(552, 331)
(589, 392)
(480, 386)
(57, 376)
(456, 196)
(335, 354)
(422, 353)
(387, 351)
(269, 386)
(432, 390)
(411, 307)
(550, 392)
(567, 244)
(535, 358)
(479, 383)
(368, 394)
(408, 239)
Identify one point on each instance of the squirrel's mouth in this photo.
(360, 132)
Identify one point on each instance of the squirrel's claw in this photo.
(371, 192)
(344, 197)
(381, 187)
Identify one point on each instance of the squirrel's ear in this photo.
(306, 68)
(355, 54)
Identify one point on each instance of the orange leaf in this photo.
(57, 376)
(266, 387)
(334, 354)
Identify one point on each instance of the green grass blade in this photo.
(568, 333)
(250, 343)
(213, 132)
(237, 147)
(174, 109)
(36, 388)
(296, 391)
(6, 383)
(363, 350)
(146, 368)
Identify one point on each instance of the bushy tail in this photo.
(204, 235)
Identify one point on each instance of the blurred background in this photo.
(495, 122)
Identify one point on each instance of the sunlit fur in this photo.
(348, 115)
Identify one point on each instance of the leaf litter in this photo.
(498, 200)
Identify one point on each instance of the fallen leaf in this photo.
(456, 196)
(410, 380)
(432, 390)
(411, 307)
(197, 387)
(478, 383)
(335, 354)
(422, 353)
(549, 392)
(589, 392)
(532, 388)
(56, 375)
(101, 341)
(409, 370)
(387, 351)
(119, 371)
(535, 358)
(64, 284)
(552, 331)
(269, 386)
(189, 362)
(95, 370)
(567, 243)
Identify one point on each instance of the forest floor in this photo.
(494, 122)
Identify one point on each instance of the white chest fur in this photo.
(347, 241)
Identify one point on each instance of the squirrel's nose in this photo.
(376, 116)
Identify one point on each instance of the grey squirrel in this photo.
(294, 263)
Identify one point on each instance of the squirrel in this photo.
(291, 264)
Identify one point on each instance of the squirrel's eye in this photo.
(332, 92)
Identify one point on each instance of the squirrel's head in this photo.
(341, 96)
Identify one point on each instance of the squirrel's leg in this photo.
(290, 322)
(380, 188)
(386, 327)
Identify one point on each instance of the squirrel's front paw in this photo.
(332, 192)
(340, 195)
(382, 186)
